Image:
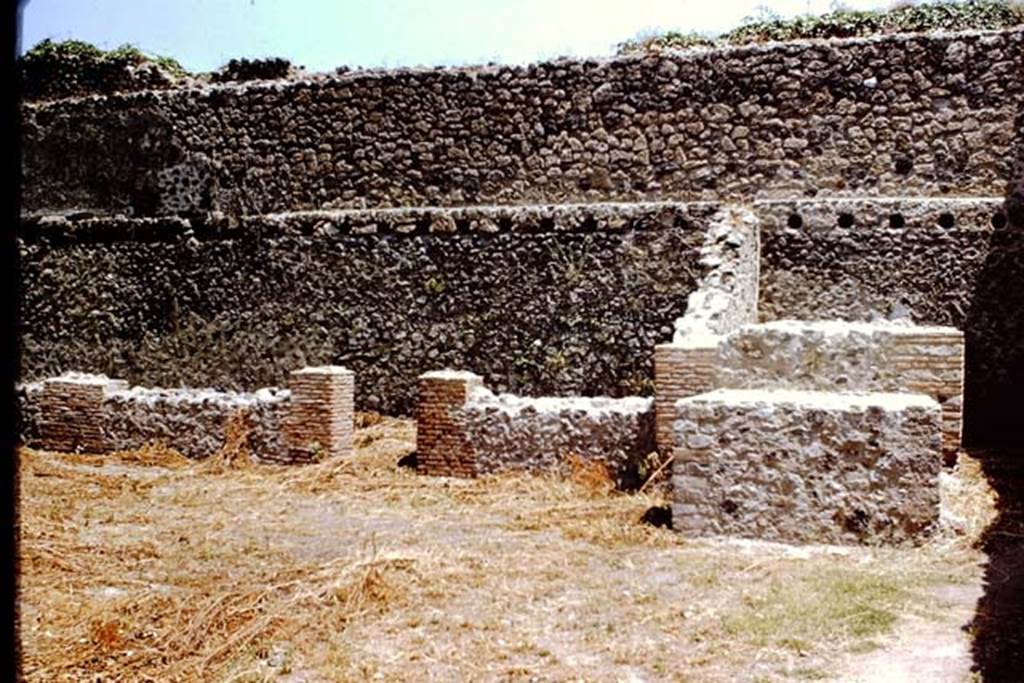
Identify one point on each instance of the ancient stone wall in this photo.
(807, 466)
(463, 429)
(836, 356)
(538, 434)
(81, 412)
(193, 421)
(538, 300)
(954, 262)
(892, 115)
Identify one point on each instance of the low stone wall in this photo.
(849, 357)
(726, 297)
(193, 421)
(464, 429)
(803, 466)
(94, 414)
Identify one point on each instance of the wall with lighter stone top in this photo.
(512, 432)
(94, 414)
(849, 357)
(193, 421)
(804, 466)
(463, 429)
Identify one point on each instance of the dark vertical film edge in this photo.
(10, 670)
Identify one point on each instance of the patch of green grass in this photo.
(795, 611)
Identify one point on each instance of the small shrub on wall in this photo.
(73, 67)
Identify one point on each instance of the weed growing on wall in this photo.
(73, 67)
(844, 23)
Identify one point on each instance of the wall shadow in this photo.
(994, 418)
(998, 625)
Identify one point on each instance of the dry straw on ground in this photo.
(144, 566)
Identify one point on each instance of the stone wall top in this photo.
(83, 227)
(482, 398)
(824, 400)
(504, 72)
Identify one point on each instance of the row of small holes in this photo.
(896, 220)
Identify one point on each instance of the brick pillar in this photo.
(318, 422)
(441, 444)
(71, 413)
(679, 372)
(930, 361)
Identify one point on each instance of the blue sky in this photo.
(324, 34)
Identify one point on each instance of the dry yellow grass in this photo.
(144, 566)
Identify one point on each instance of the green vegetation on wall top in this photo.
(73, 67)
(842, 23)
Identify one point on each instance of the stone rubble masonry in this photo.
(193, 421)
(919, 114)
(726, 297)
(320, 418)
(807, 466)
(94, 414)
(886, 356)
(540, 300)
(442, 446)
(539, 434)
(463, 429)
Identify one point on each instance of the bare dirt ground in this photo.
(145, 566)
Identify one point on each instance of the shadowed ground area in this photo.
(146, 566)
(998, 625)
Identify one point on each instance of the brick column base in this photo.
(320, 416)
(71, 413)
(679, 372)
(441, 444)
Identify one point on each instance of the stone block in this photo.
(807, 466)
(849, 356)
